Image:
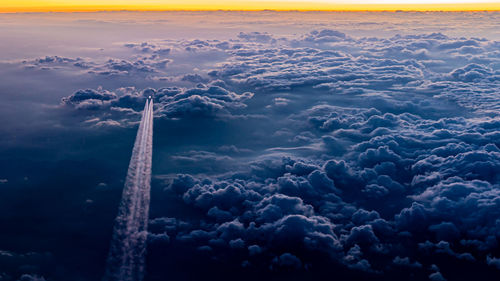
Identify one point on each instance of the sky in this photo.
(92, 5)
(285, 145)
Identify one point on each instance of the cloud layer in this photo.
(317, 154)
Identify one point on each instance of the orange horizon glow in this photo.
(7, 6)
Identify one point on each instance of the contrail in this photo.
(128, 244)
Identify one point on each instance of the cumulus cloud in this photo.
(384, 184)
(377, 155)
(120, 107)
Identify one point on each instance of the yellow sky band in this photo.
(6, 6)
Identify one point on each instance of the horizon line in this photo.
(297, 7)
(49, 11)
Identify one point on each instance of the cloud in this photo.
(287, 260)
(436, 276)
(261, 37)
(378, 156)
(385, 183)
(120, 108)
(89, 98)
(27, 277)
(493, 261)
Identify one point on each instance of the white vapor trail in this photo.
(126, 260)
